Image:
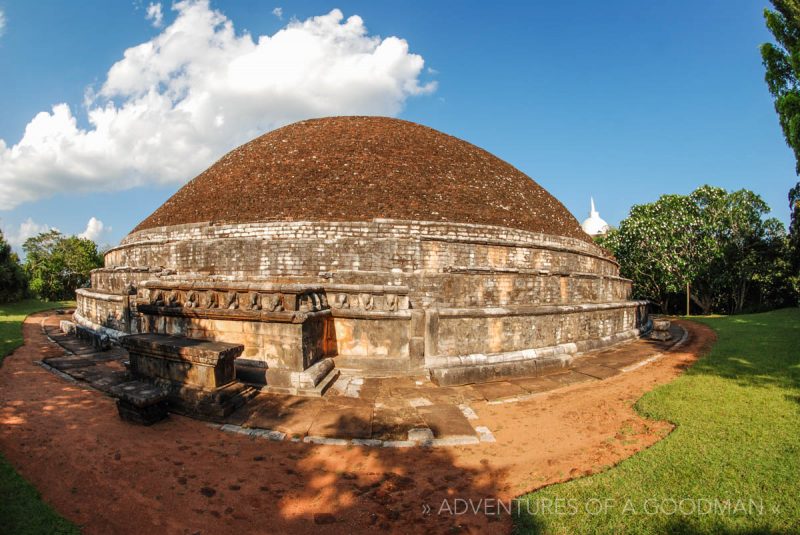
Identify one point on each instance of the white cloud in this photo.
(2, 22)
(178, 102)
(27, 229)
(278, 12)
(154, 14)
(94, 229)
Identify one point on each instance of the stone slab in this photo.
(326, 441)
(291, 415)
(393, 423)
(615, 359)
(421, 435)
(189, 364)
(445, 421)
(464, 440)
(349, 422)
(268, 434)
(109, 379)
(109, 355)
(535, 385)
(596, 371)
(89, 373)
(69, 362)
(499, 390)
(570, 378)
(72, 344)
(493, 371)
(484, 434)
(182, 348)
(399, 443)
(370, 442)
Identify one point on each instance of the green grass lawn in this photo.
(732, 464)
(21, 509)
(12, 316)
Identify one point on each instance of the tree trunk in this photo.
(703, 302)
(739, 298)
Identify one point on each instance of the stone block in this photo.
(140, 402)
(660, 335)
(660, 324)
(67, 327)
(197, 363)
(251, 371)
(199, 375)
(99, 341)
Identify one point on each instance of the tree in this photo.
(655, 249)
(746, 238)
(13, 282)
(782, 64)
(57, 265)
(775, 280)
(794, 228)
(717, 242)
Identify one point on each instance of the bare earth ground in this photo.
(183, 476)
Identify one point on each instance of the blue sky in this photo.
(619, 100)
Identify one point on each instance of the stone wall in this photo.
(466, 331)
(483, 265)
(106, 309)
(381, 296)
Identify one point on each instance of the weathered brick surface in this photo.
(296, 292)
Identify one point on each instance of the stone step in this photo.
(140, 402)
(315, 391)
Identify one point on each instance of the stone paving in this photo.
(366, 411)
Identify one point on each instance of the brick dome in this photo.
(359, 169)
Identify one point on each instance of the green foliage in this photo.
(782, 63)
(57, 265)
(794, 231)
(736, 419)
(654, 246)
(12, 316)
(13, 282)
(717, 242)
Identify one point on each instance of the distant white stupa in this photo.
(594, 224)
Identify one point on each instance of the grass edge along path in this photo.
(22, 511)
(730, 466)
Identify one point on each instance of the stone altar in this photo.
(198, 375)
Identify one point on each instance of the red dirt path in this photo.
(182, 476)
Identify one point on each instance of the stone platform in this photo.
(389, 412)
(198, 375)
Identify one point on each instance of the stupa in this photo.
(369, 246)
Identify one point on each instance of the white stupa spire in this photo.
(594, 224)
